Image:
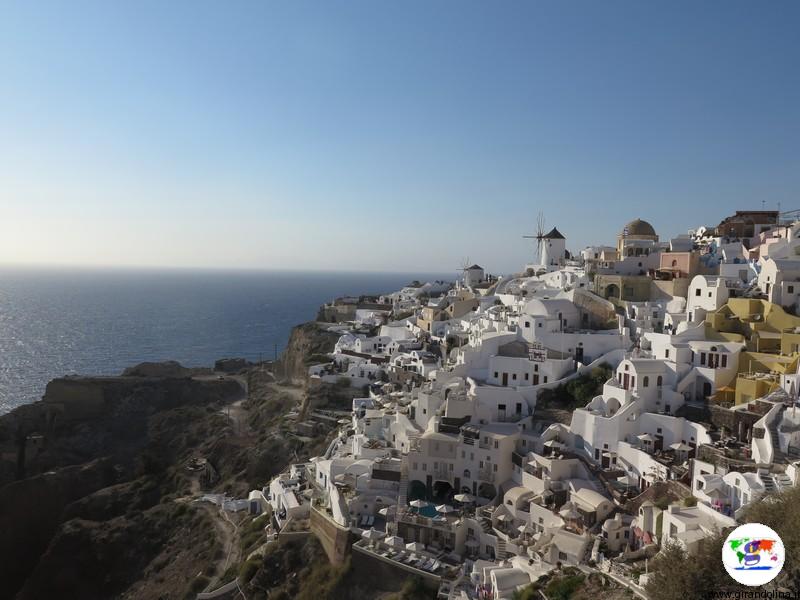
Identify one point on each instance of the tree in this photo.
(675, 576)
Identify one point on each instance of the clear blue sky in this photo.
(384, 135)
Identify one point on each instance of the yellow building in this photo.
(772, 341)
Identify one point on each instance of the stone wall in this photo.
(335, 540)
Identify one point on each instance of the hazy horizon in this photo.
(382, 137)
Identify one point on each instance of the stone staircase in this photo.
(402, 497)
(502, 552)
(777, 455)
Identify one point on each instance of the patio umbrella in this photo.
(415, 546)
(386, 511)
(505, 517)
(394, 541)
(464, 498)
(646, 437)
(445, 509)
(372, 535)
(680, 447)
(569, 512)
(418, 503)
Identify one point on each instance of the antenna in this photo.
(539, 236)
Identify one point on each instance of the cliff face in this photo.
(83, 474)
(306, 340)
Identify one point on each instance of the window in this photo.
(466, 473)
(527, 376)
(724, 360)
(562, 556)
(494, 468)
(527, 323)
(697, 292)
(424, 466)
(514, 376)
(709, 294)
(545, 378)
(658, 430)
(790, 289)
(495, 374)
(666, 353)
(539, 325)
(645, 381)
(659, 381)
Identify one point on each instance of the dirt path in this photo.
(228, 535)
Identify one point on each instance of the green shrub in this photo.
(564, 587)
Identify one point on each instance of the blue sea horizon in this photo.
(56, 321)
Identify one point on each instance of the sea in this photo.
(59, 321)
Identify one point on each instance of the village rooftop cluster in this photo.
(470, 457)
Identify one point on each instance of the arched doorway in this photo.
(416, 490)
(612, 291)
(442, 492)
(487, 490)
(706, 389)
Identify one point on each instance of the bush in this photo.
(249, 569)
(564, 587)
(690, 501)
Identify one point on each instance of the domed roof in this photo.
(638, 227)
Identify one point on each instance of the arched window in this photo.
(659, 381)
(674, 263)
(466, 474)
(645, 381)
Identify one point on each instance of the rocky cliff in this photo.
(86, 478)
(306, 341)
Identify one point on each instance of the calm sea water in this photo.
(97, 322)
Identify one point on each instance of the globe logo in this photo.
(753, 554)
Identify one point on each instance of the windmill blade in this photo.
(539, 236)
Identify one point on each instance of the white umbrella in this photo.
(464, 498)
(680, 447)
(415, 546)
(646, 437)
(445, 508)
(505, 517)
(569, 512)
(387, 510)
(372, 534)
(395, 541)
(418, 503)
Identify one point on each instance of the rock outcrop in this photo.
(306, 341)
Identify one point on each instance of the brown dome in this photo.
(638, 227)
